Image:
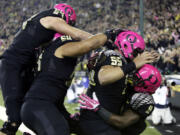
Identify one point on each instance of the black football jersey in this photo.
(57, 67)
(111, 96)
(31, 36)
(55, 72)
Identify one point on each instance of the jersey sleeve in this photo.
(146, 110)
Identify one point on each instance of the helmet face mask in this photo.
(136, 52)
(147, 79)
(130, 44)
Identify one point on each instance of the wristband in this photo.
(128, 68)
(104, 114)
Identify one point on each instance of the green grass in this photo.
(1, 99)
(150, 131)
(71, 109)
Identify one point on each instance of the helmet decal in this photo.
(131, 38)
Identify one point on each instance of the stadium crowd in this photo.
(161, 22)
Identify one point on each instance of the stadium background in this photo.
(158, 21)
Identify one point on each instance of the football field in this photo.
(71, 108)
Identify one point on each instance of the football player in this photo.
(138, 106)
(43, 110)
(109, 70)
(36, 31)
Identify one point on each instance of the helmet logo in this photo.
(131, 38)
(68, 11)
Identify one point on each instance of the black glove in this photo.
(142, 103)
(111, 36)
(110, 45)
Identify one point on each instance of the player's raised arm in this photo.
(59, 25)
(112, 73)
(74, 49)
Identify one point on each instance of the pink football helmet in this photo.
(130, 44)
(68, 11)
(147, 79)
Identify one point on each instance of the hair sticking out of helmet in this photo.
(147, 79)
(130, 44)
(68, 11)
(57, 35)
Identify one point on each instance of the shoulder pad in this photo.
(111, 52)
(108, 53)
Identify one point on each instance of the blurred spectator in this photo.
(77, 88)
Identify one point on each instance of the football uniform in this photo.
(144, 111)
(43, 110)
(21, 55)
(111, 96)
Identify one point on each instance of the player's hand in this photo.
(142, 103)
(88, 103)
(111, 36)
(156, 55)
(145, 58)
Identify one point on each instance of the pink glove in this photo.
(88, 103)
